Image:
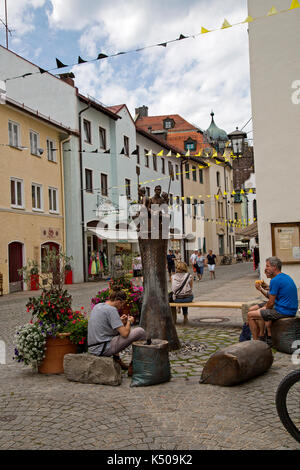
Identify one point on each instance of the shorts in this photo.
(171, 268)
(211, 267)
(199, 269)
(270, 314)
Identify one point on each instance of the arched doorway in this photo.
(46, 268)
(15, 262)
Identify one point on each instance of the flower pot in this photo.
(69, 277)
(34, 282)
(56, 348)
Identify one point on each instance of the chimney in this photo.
(68, 78)
(142, 111)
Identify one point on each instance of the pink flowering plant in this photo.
(134, 295)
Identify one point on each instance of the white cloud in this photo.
(20, 15)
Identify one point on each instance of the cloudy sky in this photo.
(189, 77)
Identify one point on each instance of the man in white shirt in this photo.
(193, 259)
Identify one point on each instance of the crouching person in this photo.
(108, 333)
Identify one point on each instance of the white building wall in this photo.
(275, 68)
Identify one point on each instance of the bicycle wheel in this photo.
(288, 403)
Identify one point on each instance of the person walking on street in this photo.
(171, 263)
(182, 288)
(200, 263)
(193, 262)
(211, 262)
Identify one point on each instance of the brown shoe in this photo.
(130, 371)
(122, 364)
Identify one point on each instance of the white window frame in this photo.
(53, 191)
(128, 188)
(35, 186)
(104, 174)
(16, 205)
(89, 190)
(11, 134)
(32, 150)
(53, 152)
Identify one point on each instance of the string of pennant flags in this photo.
(60, 65)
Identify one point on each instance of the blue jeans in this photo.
(186, 300)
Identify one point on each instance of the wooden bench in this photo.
(204, 304)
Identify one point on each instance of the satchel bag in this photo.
(172, 295)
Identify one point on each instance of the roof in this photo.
(115, 109)
(156, 122)
(105, 110)
(215, 133)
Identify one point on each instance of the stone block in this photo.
(237, 363)
(284, 332)
(246, 306)
(90, 369)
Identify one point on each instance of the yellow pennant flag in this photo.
(208, 195)
(233, 193)
(178, 155)
(198, 154)
(183, 198)
(225, 193)
(226, 24)
(201, 166)
(160, 154)
(295, 4)
(215, 154)
(242, 191)
(208, 164)
(273, 11)
(204, 30)
(249, 19)
(217, 197)
(250, 190)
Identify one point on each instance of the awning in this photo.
(251, 231)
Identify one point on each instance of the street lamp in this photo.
(237, 139)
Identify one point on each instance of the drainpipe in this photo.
(81, 191)
(182, 209)
(62, 142)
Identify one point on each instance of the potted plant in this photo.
(68, 274)
(54, 329)
(32, 276)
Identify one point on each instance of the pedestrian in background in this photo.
(171, 263)
(182, 288)
(200, 263)
(193, 262)
(211, 263)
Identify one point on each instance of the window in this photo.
(202, 208)
(201, 176)
(163, 166)
(190, 144)
(51, 150)
(168, 123)
(127, 187)
(195, 212)
(194, 173)
(14, 134)
(154, 162)
(104, 186)
(16, 193)
(218, 179)
(220, 210)
(102, 136)
(34, 142)
(171, 170)
(171, 199)
(36, 195)
(53, 202)
(177, 171)
(126, 146)
(89, 181)
(138, 154)
(146, 158)
(254, 209)
(188, 201)
(178, 202)
(87, 131)
(187, 171)
(147, 191)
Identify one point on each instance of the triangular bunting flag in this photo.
(122, 151)
(233, 193)
(150, 153)
(178, 155)
(242, 191)
(249, 19)
(94, 151)
(160, 154)
(188, 153)
(204, 30)
(81, 61)
(107, 151)
(250, 190)
(163, 44)
(134, 152)
(101, 56)
(273, 11)
(217, 196)
(226, 24)
(295, 4)
(42, 70)
(182, 37)
(59, 64)
(198, 154)
(169, 154)
(215, 154)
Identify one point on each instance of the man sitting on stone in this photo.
(108, 333)
(282, 301)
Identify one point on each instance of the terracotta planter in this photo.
(53, 362)
(69, 277)
(34, 282)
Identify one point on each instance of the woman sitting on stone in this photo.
(182, 285)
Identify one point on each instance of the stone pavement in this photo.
(48, 412)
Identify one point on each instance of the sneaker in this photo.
(269, 341)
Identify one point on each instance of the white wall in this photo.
(274, 67)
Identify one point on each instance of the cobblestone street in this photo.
(48, 412)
